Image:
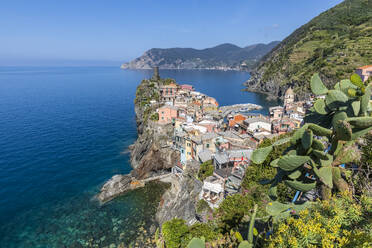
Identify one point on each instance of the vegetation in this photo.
(206, 170)
(173, 232)
(301, 162)
(339, 222)
(146, 92)
(307, 162)
(202, 206)
(154, 117)
(333, 44)
(167, 81)
(177, 234)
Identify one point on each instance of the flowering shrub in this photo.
(338, 222)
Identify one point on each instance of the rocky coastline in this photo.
(152, 157)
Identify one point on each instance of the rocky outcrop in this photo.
(180, 200)
(114, 187)
(151, 154)
(271, 87)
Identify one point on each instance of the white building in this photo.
(254, 124)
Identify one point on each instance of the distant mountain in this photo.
(333, 44)
(221, 57)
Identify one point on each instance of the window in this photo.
(162, 118)
(207, 145)
(189, 153)
(188, 144)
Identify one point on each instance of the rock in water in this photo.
(117, 185)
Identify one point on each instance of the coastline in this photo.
(152, 158)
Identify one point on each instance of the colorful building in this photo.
(167, 114)
(168, 92)
(187, 87)
(237, 119)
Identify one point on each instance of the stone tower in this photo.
(289, 96)
(156, 75)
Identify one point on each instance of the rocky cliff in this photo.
(332, 44)
(152, 151)
(151, 154)
(221, 57)
(180, 200)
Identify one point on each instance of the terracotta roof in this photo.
(365, 67)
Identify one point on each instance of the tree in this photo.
(206, 170)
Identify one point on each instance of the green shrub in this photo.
(177, 234)
(173, 232)
(232, 210)
(206, 170)
(154, 117)
(201, 206)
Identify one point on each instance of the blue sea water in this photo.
(64, 131)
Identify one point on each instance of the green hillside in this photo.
(333, 44)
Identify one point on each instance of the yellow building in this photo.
(188, 149)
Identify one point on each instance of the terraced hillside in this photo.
(333, 44)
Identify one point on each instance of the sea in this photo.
(64, 131)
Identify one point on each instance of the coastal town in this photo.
(181, 128)
(217, 139)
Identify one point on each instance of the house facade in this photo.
(167, 114)
(168, 92)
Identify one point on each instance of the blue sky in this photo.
(94, 31)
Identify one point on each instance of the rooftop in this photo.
(240, 153)
(221, 158)
(224, 173)
(205, 155)
(256, 119)
(365, 67)
(166, 106)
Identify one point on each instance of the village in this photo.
(220, 142)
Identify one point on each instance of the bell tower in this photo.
(156, 75)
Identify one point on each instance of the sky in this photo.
(112, 31)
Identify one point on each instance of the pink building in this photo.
(364, 72)
(210, 125)
(167, 114)
(187, 87)
(168, 92)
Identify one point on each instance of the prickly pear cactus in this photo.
(196, 243)
(324, 143)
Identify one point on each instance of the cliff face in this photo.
(180, 200)
(332, 44)
(151, 152)
(222, 57)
